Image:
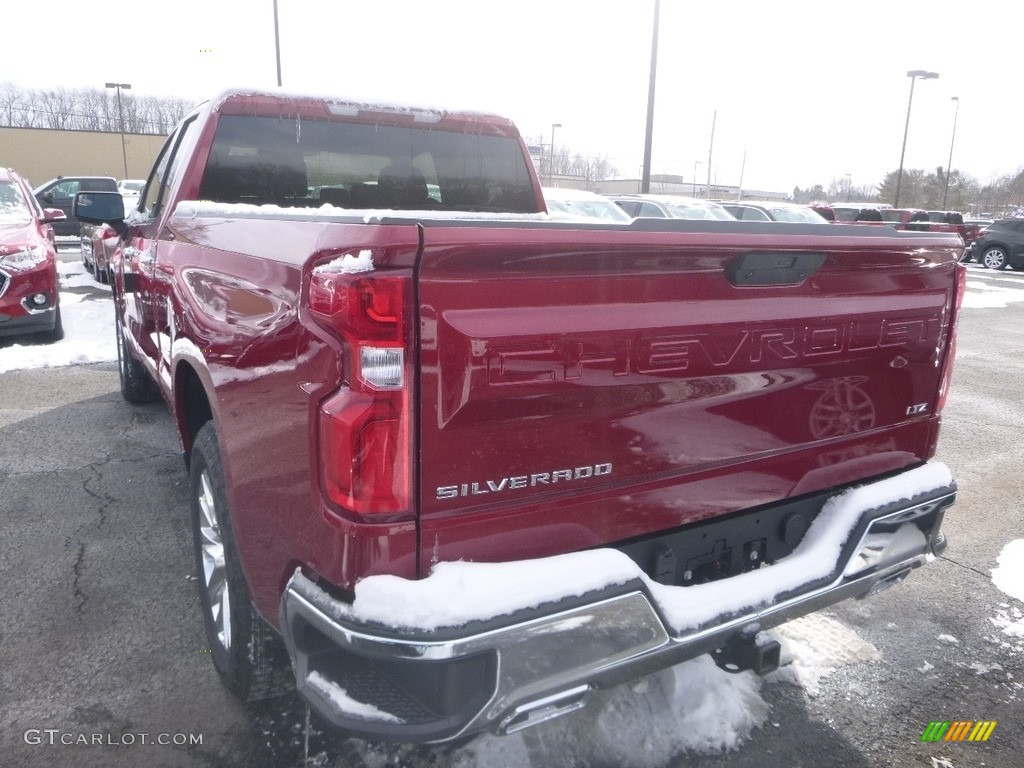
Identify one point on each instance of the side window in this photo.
(167, 164)
(64, 189)
(631, 208)
(649, 210)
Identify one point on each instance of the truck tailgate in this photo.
(581, 386)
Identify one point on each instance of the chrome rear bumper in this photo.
(515, 671)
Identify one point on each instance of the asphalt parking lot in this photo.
(100, 631)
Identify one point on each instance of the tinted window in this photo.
(264, 160)
(649, 210)
(796, 215)
(65, 188)
(750, 214)
(631, 207)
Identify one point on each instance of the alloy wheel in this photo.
(214, 572)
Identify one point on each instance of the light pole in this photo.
(913, 75)
(551, 156)
(645, 178)
(693, 191)
(277, 45)
(120, 117)
(949, 164)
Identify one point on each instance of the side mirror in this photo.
(53, 214)
(99, 208)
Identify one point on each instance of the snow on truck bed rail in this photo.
(198, 208)
(456, 593)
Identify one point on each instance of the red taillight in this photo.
(959, 289)
(364, 429)
(364, 451)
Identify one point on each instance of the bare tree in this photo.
(92, 111)
(58, 107)
(11, 100)
(89, 110)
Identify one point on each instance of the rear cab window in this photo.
(307, 163)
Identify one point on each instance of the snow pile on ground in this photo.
(985, 296)
(1009, 573)
(1010, 620)
(88, 330)
(692, 707)
(1008, 576)
(814, 646)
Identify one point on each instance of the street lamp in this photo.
(551, 158)
(693, 186)
(913, 75)
(949, 164)
(120, 117)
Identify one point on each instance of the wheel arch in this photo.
(193, 406)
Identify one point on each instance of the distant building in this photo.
(667, 184)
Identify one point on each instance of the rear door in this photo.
(581, 387)
(146, 290)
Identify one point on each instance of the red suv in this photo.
(29, 302)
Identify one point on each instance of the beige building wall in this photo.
(41, 154)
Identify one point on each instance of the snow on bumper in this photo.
(507, 645)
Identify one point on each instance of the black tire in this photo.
(993, 257)
(58, 328)
(249, 656)
(137, 386)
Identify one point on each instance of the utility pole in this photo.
(711, 146)
(277, 45)
(120, 117)
(949, 163)
(645, 181)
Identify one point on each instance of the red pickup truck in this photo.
(455, 463)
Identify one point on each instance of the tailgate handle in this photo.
(773, 267)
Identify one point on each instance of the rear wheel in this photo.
(248, 655)
(137, 386)
(994, 258)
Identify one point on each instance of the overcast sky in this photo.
(808, 92)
